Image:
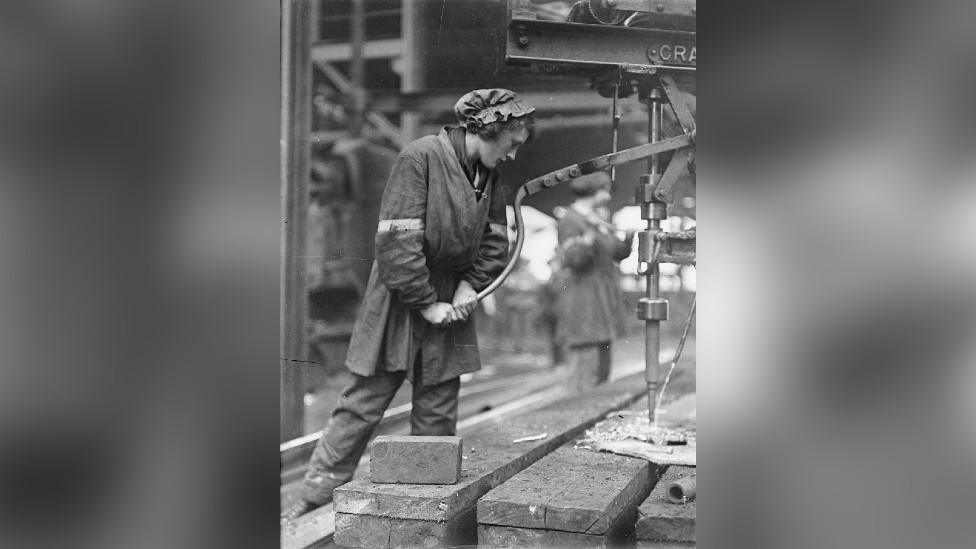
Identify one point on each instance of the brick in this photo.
(399, 459)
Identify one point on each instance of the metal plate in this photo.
(576, 45)
(673, 52)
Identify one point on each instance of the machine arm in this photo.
(570, 172)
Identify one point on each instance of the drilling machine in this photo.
(645, 48)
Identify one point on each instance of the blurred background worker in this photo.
(590, 303)
(441, 239)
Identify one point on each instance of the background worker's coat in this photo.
(433, 232)
(590, 306)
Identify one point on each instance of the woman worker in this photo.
(590, 304)
(441, 238)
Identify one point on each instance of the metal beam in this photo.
(357, 68)
(372, 49)
(585, 121)
(413, 24)
(551, 46)
(575, 100)
(380, 123)
(296, 122)
(565, 122)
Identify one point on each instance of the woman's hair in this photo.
(491, 131)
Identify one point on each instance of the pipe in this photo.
(682, 490)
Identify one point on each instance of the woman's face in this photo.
(503, 148)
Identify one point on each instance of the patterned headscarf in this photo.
(481, 107)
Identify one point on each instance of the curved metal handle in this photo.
(519, 240)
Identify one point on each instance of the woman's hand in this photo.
(465, 300)
(438, 314)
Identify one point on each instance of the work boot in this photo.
(317, 492)
(298, 508)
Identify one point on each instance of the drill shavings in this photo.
(633, 435)
(530, 438)
(621, 426)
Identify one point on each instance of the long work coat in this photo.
(590, 306)
(433, 232)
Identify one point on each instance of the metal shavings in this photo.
(626, 425)
(530, 438)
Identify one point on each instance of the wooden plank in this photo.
(308, 531)
(490, 458)
(512, 536)
(372, 532)
(607, 492)
(570, 490)
(491, 535)
(362, 530)
(641, 544)
(519, 501)
(659, 520)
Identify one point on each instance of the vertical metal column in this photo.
(411, 63)
(616, 127)
(357, 67)
(651, 308)
(296, 122)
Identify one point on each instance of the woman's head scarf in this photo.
(479, 108)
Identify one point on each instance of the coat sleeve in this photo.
(577, 253)
(493, 251)
(624, 247)
(400, 257)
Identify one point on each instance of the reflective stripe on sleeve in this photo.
(394, 225)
